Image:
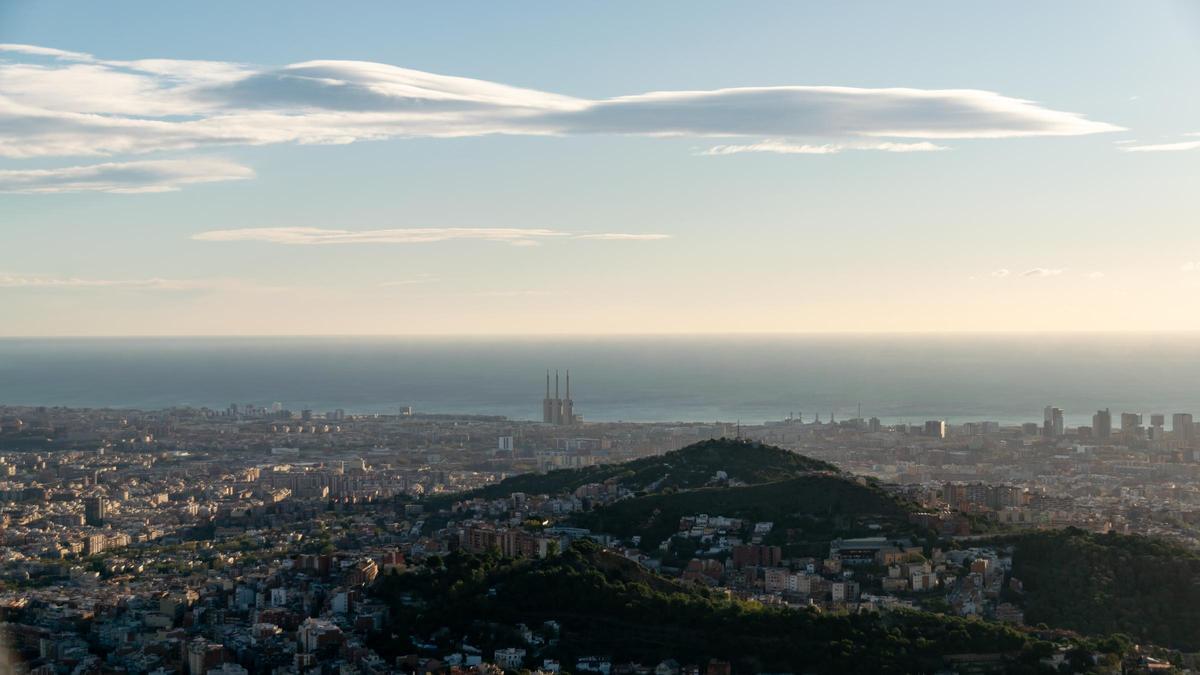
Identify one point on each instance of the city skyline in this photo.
(215, 178)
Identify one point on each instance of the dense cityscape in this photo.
(255, 539)
(682, 337)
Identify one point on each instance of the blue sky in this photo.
(556, 222)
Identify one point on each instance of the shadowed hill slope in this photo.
(1109, 583)
(817, 507)
(608, 605)
(687, 468)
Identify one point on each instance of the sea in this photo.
(752, 379)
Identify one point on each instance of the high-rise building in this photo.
(203, 655)
(1183, 428)
(1102, 424)
(1053, 424)
(95, 510)
(935, 428)
(1131, 423)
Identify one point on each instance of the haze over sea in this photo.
(909, 377)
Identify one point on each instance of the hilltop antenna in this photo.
(739, 429)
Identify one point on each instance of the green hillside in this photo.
(610, 606)
(691, 467)
(816, 508)
(1096, 584)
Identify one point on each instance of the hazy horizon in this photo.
(898, 378)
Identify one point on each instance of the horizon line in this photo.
(584, 335)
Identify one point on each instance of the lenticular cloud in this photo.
(162, 175)
(61, 103)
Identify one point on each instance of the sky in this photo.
(307, 168)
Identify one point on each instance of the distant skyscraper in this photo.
(95, 510)
(1183, 428)
(1053, 422)
(1131, 423)
(1155, 431)
(1102, 424)
(935, 428)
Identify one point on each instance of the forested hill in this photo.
(608, 605)
(691, 467)
(1108, 583)
(812, 508)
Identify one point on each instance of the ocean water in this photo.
(894, 377)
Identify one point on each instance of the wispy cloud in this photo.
(1190, 266)
(34, 50)
(521, 293)
(50, 282)
(315, 236)
(621, 236)
(1178, 146)
(61, 103)
(1095, 275)
(1041, 272)
(783, 147)
(1001, 273)
(417, 280)
(123, 177)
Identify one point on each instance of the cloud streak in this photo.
(1041, 272)
(1035, 273)
(783, 147)
(123, 177)
(1179, 146)
(315, 236)
(46, 282)
(60, 103)
(417, 280)
(622, 236)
